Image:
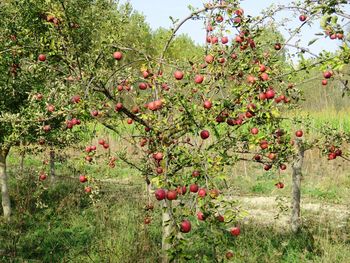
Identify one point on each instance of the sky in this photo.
(157, 13)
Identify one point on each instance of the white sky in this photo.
(157, 14)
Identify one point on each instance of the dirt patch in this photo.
(276, 210)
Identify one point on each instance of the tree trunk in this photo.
(52, 165)
(5, 197)
(166, 227)
(296, 184)
(22, 162)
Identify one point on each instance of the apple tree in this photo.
(47, 49)
(192, 121)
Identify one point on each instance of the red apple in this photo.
(264, 145)
(236, 231)
(219, 19)
(202, 192)
(262, 68)
(82, 178)
(272, 156)
(224, 40)
(42, 177)
(171, 195)
(338, 152)
(210, 28)
(39, 96)
(327, 74)
(278, 46)
(135, 109)
(279, 185)
(42, 57)
(160, 194)
(237, 20)
(196, 173)
(254, 131)
(118, 106)
(209, 59)
(264, 76)
(220, 218)
(239, 39)
(193, 188)
(50, 108)
(46, 128)
(142, 86)
(257, 157)
(239, 12)
(181, 190)
(299, 133)
(207, 104)
(158, 156)
(270, 94)
(75, 99)
(251, 79)
(262, 96)
(204, 134)
(233, 56)
(198, 79)
(332, 156)
(221, 60)
(117, 55)
(94, 113)
(267, 167)
(185, 226)
(214, 40)
(178, 75)
(88, 149)
(324, 82)
(302, 18)
(145, 74)
(200, 216)
(87, 189)
(229, 255)
(147, 220)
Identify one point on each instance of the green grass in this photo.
(69, 226)
(61, 223)
(338, 120)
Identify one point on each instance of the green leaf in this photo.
(312, 41)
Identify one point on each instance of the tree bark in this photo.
(166, 227)
(296, 185)
(5, 197)
(22, 162)
(52, 165)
